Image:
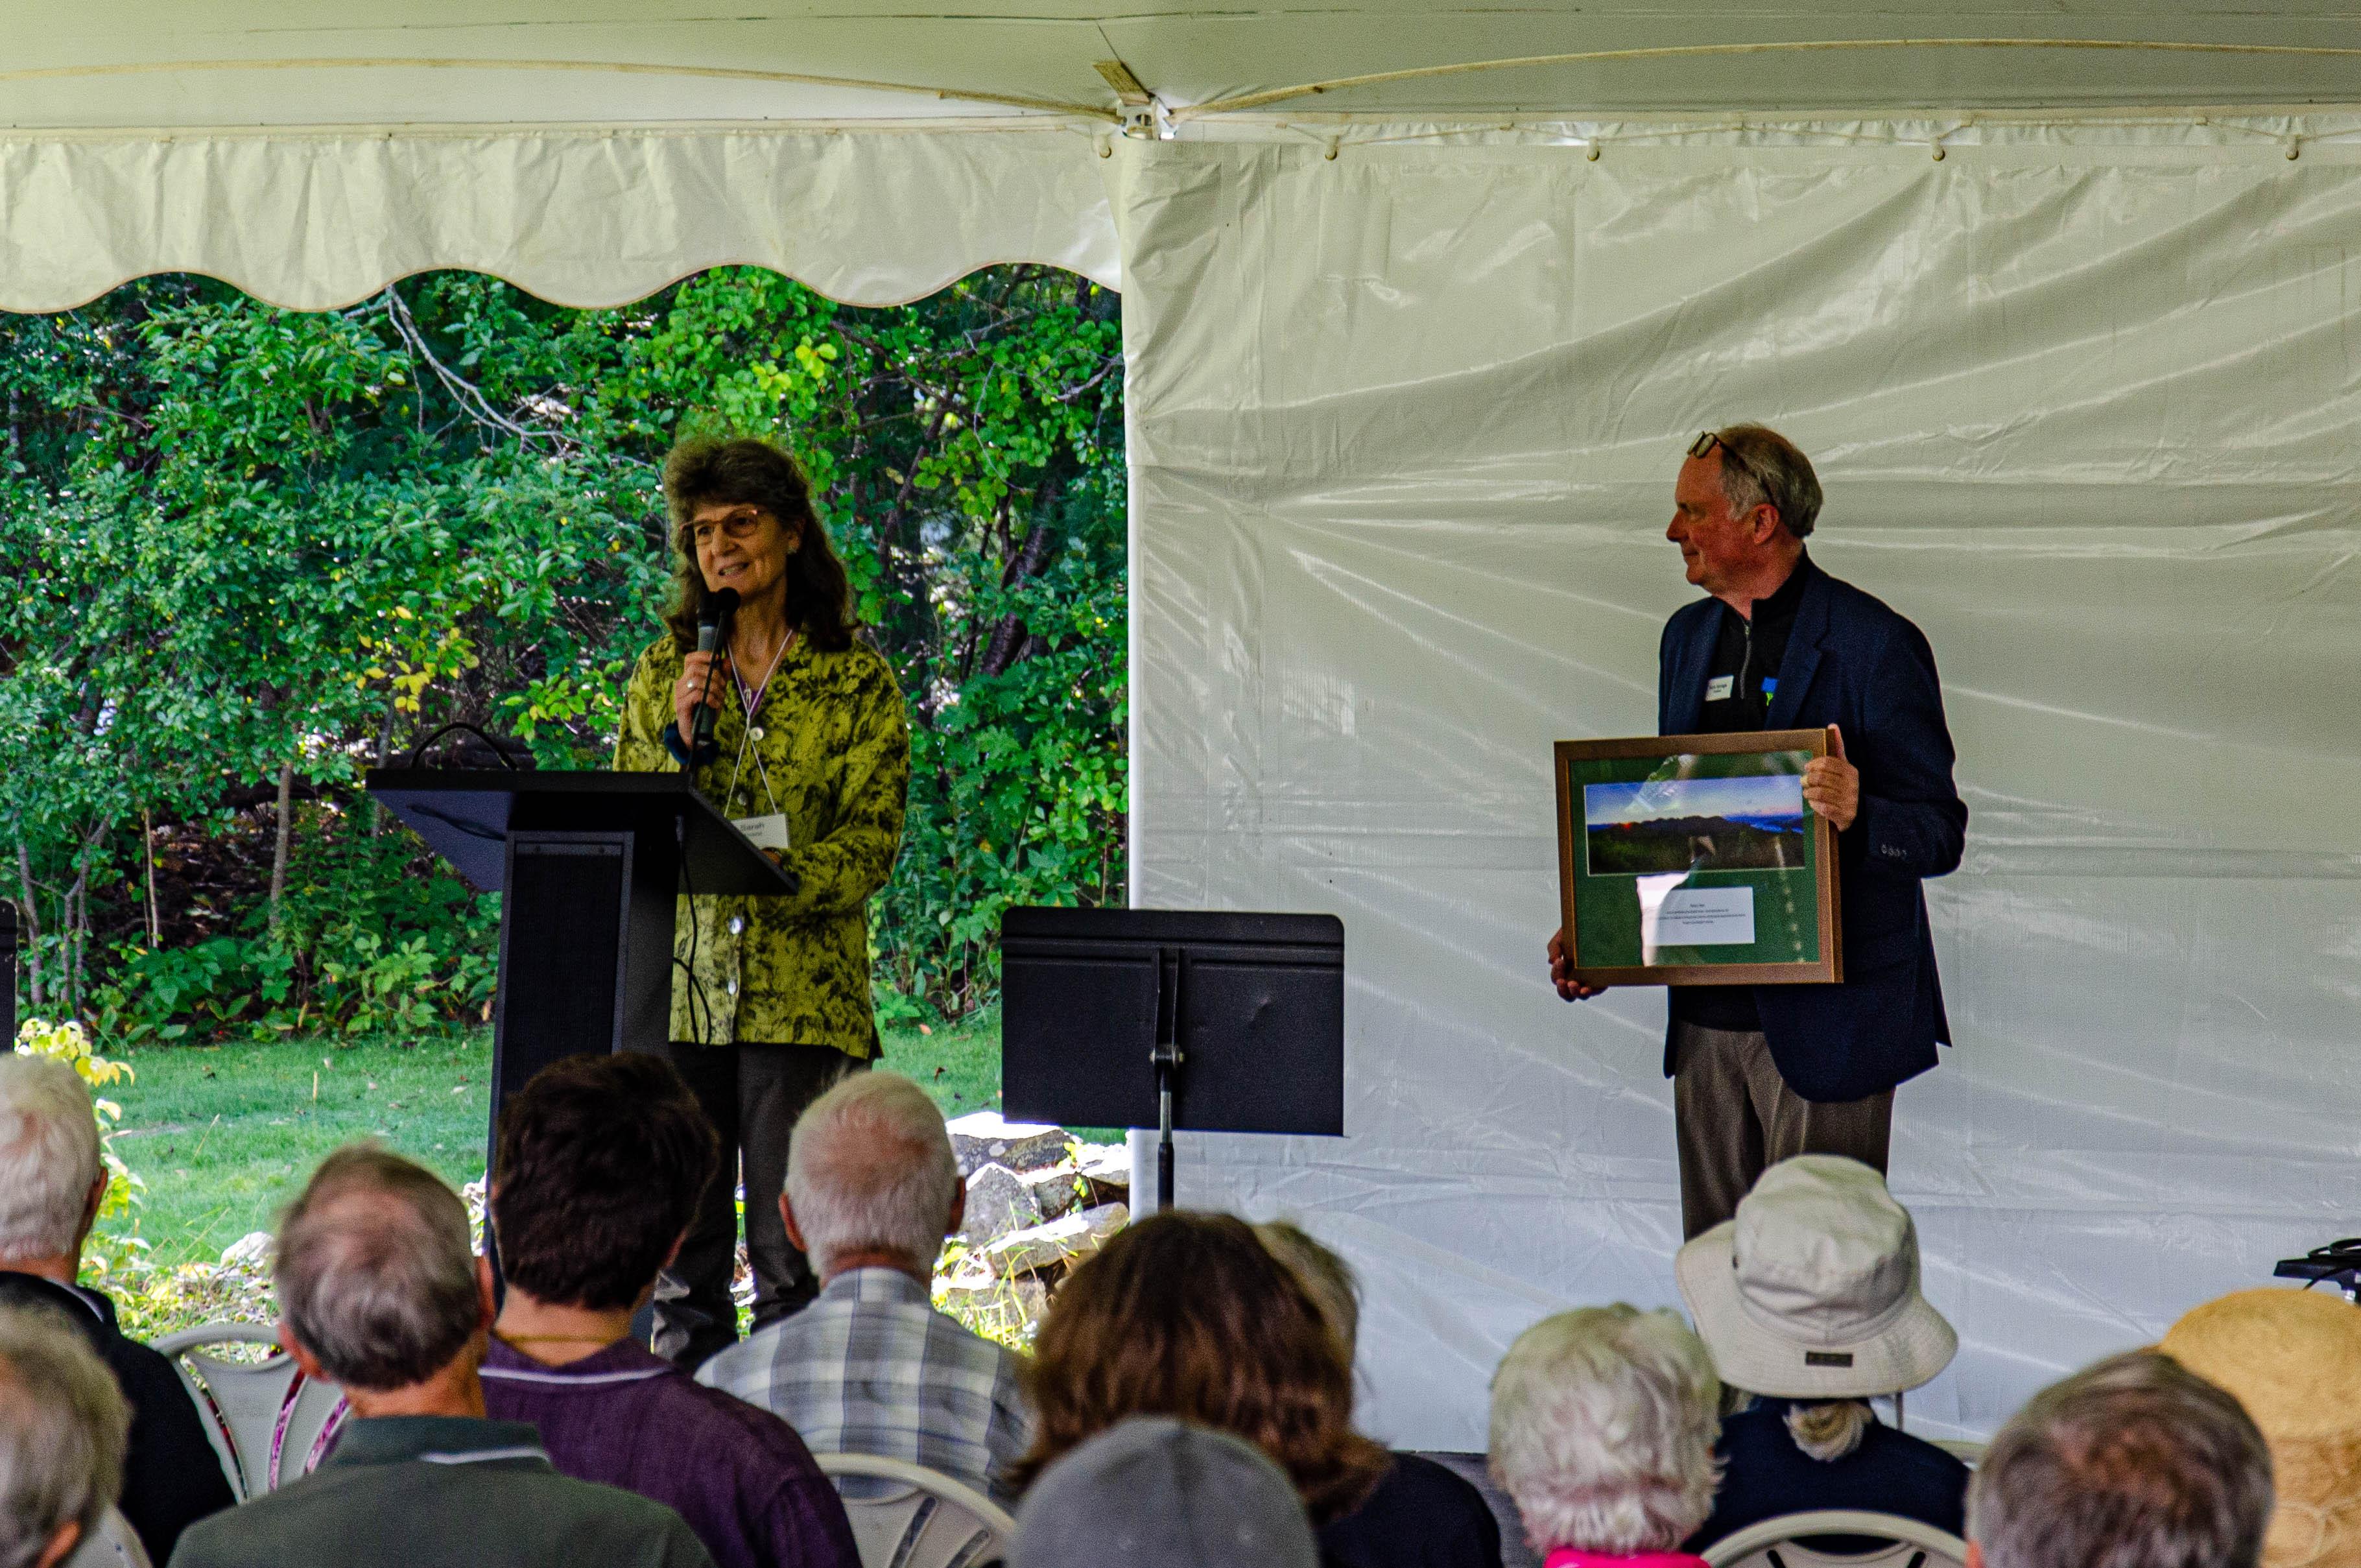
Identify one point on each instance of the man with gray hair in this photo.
(62, 1431)
(871, 1367)
(52, 1179)
(380, 1292)
(1763, 1073)
(2134, 1462)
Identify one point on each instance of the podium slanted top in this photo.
(466, 814)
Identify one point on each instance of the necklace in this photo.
(752, 702)
(556, 1339)
(754, 708)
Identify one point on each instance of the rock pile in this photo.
(1038, 1201)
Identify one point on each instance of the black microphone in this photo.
(712, 631)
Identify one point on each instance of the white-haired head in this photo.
(1603, 1425)
(48, 1158)
(870, 1169)
(63, 1425)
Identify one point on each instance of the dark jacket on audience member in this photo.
(171, 1476)
(1421, 1516)
(1765, 1475)
(740, 1476)
(442, 1492)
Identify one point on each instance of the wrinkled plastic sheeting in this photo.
(579, 217)
(1404, 425)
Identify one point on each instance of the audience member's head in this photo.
(600, 1163)
(51, 1177)
(63, 1425)
(1189, 1315)
(2292, 1360)
(1319, 1271)
(2134, 1462)
(1603, 1425)
(1157, 1493)
(872, 1178)
(378, 1288)
(1812, 1294)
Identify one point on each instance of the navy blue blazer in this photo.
(1856, 663)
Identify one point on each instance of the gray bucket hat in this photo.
(1153, 1491)
(1812, 1291)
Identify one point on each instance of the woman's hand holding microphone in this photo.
(689, 692)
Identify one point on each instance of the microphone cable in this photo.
(697, 997)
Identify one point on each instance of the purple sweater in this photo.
(739, 1476)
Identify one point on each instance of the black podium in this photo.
(1207, 1020)
(590, 865)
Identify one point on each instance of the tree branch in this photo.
(470, 397)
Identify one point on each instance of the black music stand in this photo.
(1205, 1020)
(590, 864)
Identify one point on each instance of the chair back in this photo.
(114, 1544)
(922, 1519)
(1780, 1542)
(267, 1422)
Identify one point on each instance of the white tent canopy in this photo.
(2063, 303)
(310, 151)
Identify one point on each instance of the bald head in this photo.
(870, 1169)
(375, 1276)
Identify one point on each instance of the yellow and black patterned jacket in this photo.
(835, 741)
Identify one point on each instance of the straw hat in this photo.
(2294, 1359)
(1812, 1291)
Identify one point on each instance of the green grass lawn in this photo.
(223, 1135)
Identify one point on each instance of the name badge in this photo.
(767, 832)
(1719, 688)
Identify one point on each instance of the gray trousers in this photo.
(1734, 1117)
(752, 1094)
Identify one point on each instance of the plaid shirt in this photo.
(871, 1367)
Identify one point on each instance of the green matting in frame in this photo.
(1691, 860)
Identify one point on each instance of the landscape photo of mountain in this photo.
(1691, 825)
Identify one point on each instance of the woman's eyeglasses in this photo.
(736, 525)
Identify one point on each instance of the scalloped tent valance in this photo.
(319, 219)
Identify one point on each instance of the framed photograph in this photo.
(1691, 860)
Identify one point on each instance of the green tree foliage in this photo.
(252, 545)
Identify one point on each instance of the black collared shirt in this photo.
(1740, 685)
(170, 1477)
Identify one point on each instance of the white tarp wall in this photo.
(1404, 426)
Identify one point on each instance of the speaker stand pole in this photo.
(1167, 1059)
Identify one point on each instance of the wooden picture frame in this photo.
(1662, 836)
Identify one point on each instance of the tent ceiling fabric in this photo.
(310, 153)
(137, 63)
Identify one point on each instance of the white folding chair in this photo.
(924, 1519)
(269, 1423)
(1779, 1542)
(114, 1544)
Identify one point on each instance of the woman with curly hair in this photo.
(1189, 1315)
(810, 755)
